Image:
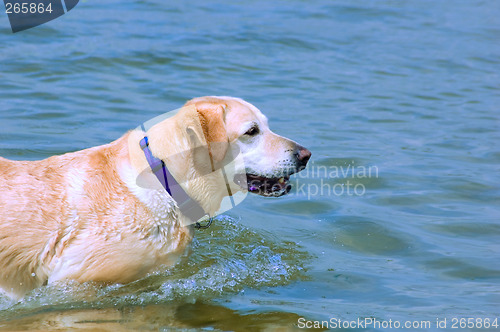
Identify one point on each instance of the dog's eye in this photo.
(252, 131)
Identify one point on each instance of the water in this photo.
(408, 90)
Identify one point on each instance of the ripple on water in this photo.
(366, 236)
(304, 207)
(467, 229)
(457, 268)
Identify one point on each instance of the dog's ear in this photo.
(211, 117)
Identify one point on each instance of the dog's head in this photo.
(217, 147)
(232, 126)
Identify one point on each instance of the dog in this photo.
(83, 215)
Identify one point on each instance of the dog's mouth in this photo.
(264, 186)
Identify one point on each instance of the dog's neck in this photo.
(202, 189)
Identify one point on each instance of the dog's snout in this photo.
(303, 155)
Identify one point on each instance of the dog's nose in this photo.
(303, 155)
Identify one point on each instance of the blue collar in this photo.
(188, 206)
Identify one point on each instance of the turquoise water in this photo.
(397, 215)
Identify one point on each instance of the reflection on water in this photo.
(168, 316)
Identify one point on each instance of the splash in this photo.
(226, 259)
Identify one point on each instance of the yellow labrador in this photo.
(83, 216)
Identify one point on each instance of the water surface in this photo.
(407, 89)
